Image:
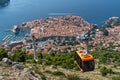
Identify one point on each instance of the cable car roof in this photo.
(84, 56)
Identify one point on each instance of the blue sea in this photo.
(94, 11)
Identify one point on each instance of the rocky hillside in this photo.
(56, 66)
(9, 73)
(40, 72)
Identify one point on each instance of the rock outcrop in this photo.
(4, 2)
(9, 73)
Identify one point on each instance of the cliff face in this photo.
(4, 2)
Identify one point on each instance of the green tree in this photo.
(58, 73)
(110, 71)
(107, 56)
(103, 71)
(19, 56)
(3, 53)
(105, 32)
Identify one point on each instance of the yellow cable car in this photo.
(84, 61)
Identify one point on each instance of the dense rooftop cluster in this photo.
(112, 41)
(58, 34)
(60, 26)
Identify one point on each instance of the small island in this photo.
(4, 3)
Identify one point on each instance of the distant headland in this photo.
(4, 3)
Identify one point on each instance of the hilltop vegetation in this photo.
(107, 64)
(107, 57)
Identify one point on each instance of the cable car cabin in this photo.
(84, 61)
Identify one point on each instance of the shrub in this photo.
(19, 56)
(29, 56)
(3, 53)
(103, 71)
(65, 60)
(52, 54)
(76, 68)
(39, 61)
(116, 78)
(58, 73)
(49, 72)
(106, 56)
(110, 71)
(72, 77)
(41, 74)
(63, 65)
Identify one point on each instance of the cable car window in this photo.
(89, 65)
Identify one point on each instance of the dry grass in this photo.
(49, 70)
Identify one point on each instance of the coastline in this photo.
(26, 27)
(62, 30)
(42, 22)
